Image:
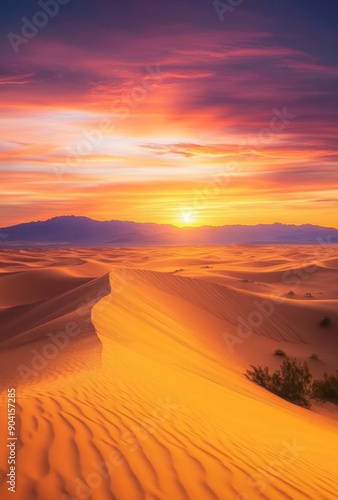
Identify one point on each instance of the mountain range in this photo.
(74, 231)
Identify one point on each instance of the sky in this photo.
(187, 112)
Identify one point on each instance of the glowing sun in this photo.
(187, 217)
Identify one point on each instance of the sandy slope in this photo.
(147, 399)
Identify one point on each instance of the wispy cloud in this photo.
(16, 79)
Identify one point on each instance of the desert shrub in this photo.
(291, 293)
(292, 382)
(326, 322)
(314, 356)
(326, 389)
(260, 375)
(279, 352)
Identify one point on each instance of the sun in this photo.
(187, 217)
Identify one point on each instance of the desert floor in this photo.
(129, 370)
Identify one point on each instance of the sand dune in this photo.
(148, 399)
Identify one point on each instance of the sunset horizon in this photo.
(183, 224)
(229, 115)
(169, 250)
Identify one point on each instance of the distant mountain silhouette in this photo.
(72, 231)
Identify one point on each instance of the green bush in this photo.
(326, 389)
(259, 375)
(292, 382)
